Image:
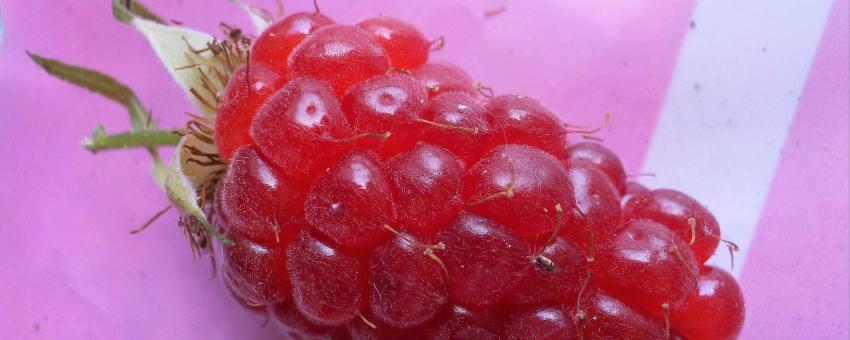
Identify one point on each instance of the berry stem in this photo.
(594, 130)
(666, 307)
(101, 140)
(151, 220)
(558, 221)
(381, 136)
(366, 321)
(692, 222)
(507, 193)
(591, 245)
(438, 44)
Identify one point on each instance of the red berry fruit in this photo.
(255, 273)
(521, 187)
(646, 266)
(602, 157)
(523, 120)
(555, 277)
(457, 122)
(387, 104)
(545, 323)
(406, 47)
(600, 316)
(247, 90)
(483, 260)
(339, 55)
(257, 201)
(408, 288)
(443, 77)
(327, 283)
(275, 44)
(352, 203)
(596, 217)
(301, 129)
(686, 217)
(370, 194)
(715, 310)
(427, 182)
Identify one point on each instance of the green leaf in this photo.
(101, 140)
(99, 83)
(182, 51)
(259, 18)
(125, 10)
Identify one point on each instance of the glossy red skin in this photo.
(275, 44)
(606, 317)
(238, 104)
(327, 283)
(339, 55)
(558, 286)
(459, 323)
(234, 291)
(632, 189)
(298, 129)
(352, 202)
(255, 273)
(427, 183)
(484, 261)
(407, 288)
(526, 121)
(291, 324)
(406, 47)
(458, 109)
(359, 330)
(387, 103)
(540, 183)
(541, 323)
(640, 267)
(255, 199)
(673, 209)
(598, 200)
(715, 310)
(602, 157)
(442, 77)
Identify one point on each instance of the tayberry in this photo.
(339, 55)
(275, 44)
(249, 87)
(406, 47)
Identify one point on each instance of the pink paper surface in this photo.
(72, 269)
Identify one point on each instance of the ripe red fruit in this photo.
(339, 55)
(255, 273)
(686, 217)
(461, 323)
(300, 127)
(407, 288)
(443, 77)
(646, 266)
(275, 44)
(366, 202)
(257, 201)
(597, 213)
(427, 182)
(600, 316)
(602, 157)
(327, 283)
(247, 90)
(294, 326)
(484, 261)
(555, 277)
(545, 323)
(715, 310)
(352, 203)
(457, 122)
(523, 120)
(522, 188)
(391, 104)
(406, 47)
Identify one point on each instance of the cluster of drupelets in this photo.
(371, 194)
